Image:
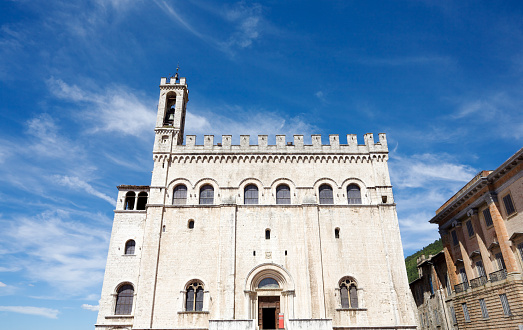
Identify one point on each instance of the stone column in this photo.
(463, 249)
(502, 234)
(451, 268)
(480, 237)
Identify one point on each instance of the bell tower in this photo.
(170, 120)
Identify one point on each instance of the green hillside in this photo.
(410, 261)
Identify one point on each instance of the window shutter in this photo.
(488, 217)
(509, 206)
(180, 195)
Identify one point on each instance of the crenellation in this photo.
(334, 140)
(208, 141)
(244, 141)
(280, 141)
(334, 145)
(316, 140)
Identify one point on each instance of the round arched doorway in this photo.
(270, 290)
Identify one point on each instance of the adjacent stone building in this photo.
(256, 236)
(482, 233)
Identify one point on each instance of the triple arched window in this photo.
(250, 194)
(194, 297)
(124, 300)
(207, 195)
(353, 194)
(349, 294)
(283, 194)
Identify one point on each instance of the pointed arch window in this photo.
(129, 246)
(353, 194)
(207, 195)
(326, 195)
(250, 194)
(142, 201)
(124, 300)
(180, 195)
(283, 194)
(169, 111)
(349, 294)
(194, 297)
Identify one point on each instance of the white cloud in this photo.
(72, 259)
(248, 23)
(40, 311)
(423, 169)
(499, 113)
(79, 184)
(245, 122)
(2, 285)
(91, 307)
(114, 110)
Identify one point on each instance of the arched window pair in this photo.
(124, 300)
(131, 202)
(206, 195)
(194, 297)
(349, 294)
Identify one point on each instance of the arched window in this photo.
(190, 224)
(180, 195)
(169, 111)
(349, 294)
(267, 234)
(129, 247)
(124, 300)
(250, 194)
(194, 297)
(207, 194)
(142, 201)
(283, 194)
(354, 194)
(129, 200)
(337, 233)
(268, 283)
(326, 196)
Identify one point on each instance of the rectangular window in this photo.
(463, 275)
(504, 304)
(488, 217)
(453, 313)
(479, 268)
(447, 284)
(436, 317)
(465, 312)
(455, 238)
(483, 307)
(509, 206)
(520, 249)
(421, 320)
(500, 261)
(431, 287)
(470, 229)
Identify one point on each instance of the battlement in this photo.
(172, 81)
(282, 146)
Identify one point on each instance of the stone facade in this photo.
(247, 236)
(482, 234)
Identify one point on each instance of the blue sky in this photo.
(79, 89)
